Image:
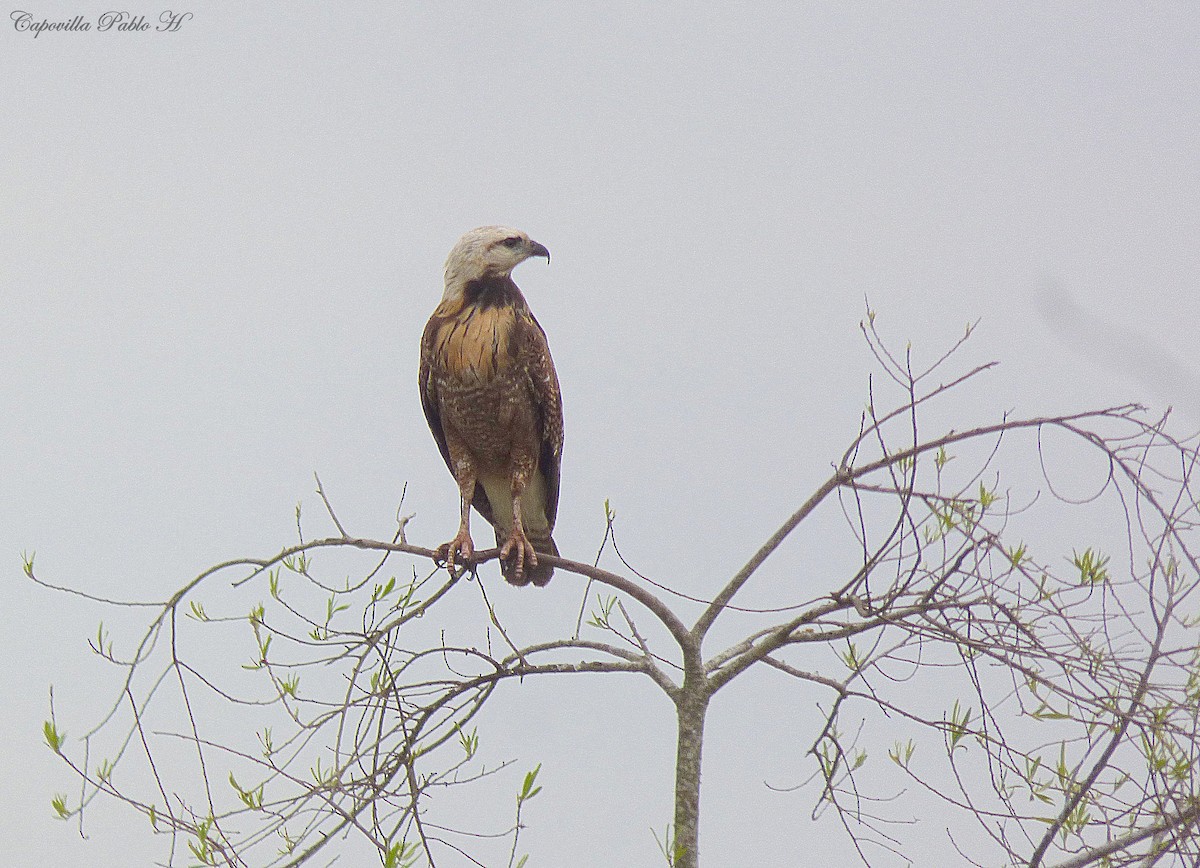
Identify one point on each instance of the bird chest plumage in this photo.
(475, 345)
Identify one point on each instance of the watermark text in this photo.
(109, 22)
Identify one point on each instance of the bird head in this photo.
(489, 252)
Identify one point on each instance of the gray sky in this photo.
(219, 247)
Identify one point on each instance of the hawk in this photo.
(491, 396)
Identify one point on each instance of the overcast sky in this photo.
(219, 246)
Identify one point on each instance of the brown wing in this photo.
(547, 400)
(431, 404)
(429, 396)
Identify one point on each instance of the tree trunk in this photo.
(692, 705)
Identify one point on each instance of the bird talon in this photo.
(521, 552)
(461, 545)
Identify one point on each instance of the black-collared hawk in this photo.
(491, 396)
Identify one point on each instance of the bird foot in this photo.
(460, 545)
(520, 550)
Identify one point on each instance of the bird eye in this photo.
(512, 241)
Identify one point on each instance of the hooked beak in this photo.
(536, 249)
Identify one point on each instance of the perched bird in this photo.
(491, 396)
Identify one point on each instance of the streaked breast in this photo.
(473, 345)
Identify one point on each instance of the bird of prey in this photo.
(491, 396)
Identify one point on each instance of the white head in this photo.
(488, 252)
